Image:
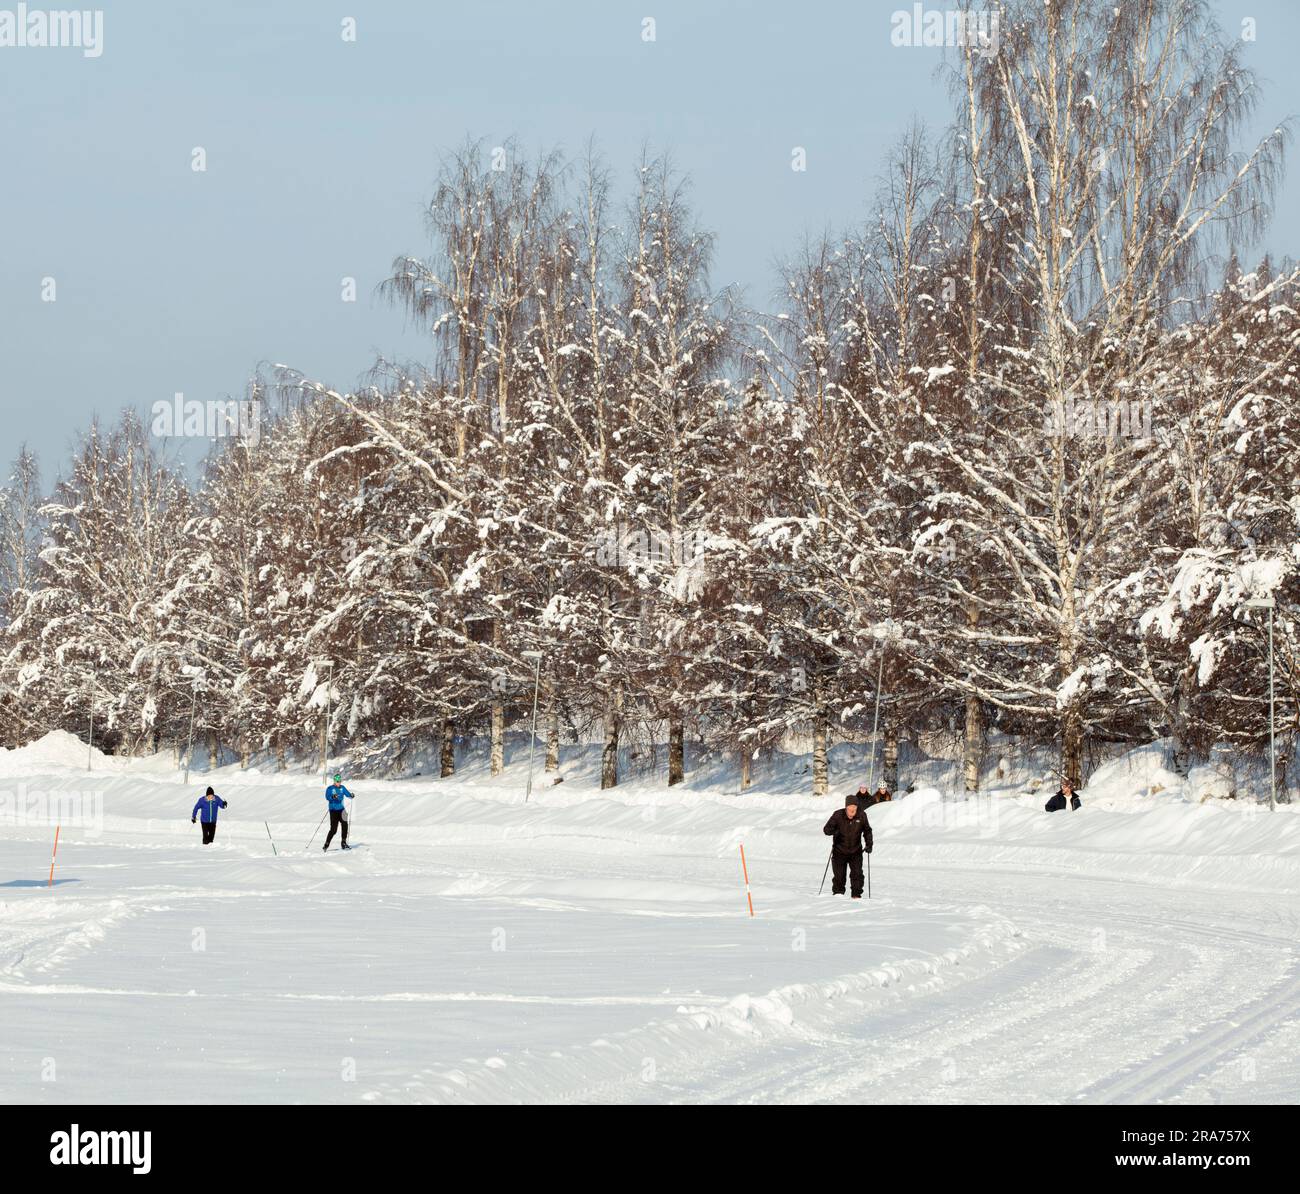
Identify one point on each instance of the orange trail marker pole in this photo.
(748, 895)
(55, 854)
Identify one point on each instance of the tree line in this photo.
(1015, 453)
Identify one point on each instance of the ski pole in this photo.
(826, 871)
(868, 874)
(268, 834)
(316, 830)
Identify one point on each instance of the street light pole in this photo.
(189, 750)
(536, 657)
(875, 727)
(1269, 604)
(325, 733)
(90, 736)
(1272, 721)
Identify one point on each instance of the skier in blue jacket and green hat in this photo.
(336, 793)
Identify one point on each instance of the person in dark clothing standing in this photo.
(208, 806)
(881, 796)
(851, 832)
(1064, 794)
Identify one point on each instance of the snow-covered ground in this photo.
(598, 947)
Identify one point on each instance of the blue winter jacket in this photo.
(335, 793)
(209, 807)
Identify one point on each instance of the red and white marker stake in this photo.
(55, 854)
(745, 870)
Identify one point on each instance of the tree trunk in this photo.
(609, 757)
(498, 737)
(820, 766)
(973, 746)
(448, 761)
(746, 767)
(891, 757)
(1282, 764)
(1072, 743)
(552, 732)
(1181, 760)
(676, 750)
(214, 752)
(973, 750)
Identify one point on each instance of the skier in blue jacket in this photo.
(336, 793)
(208, 807)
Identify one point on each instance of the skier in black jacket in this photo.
(1064, 794)
(850, 829)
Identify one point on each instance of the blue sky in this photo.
(321, 154)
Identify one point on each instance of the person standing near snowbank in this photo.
(1065, 794)
(208, 806)
(851, 831)
(335, 794)
(881, 796)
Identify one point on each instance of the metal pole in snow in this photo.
(1269, 603)
(90, 736)
(1272, 742)
(189, 750)
(880, 672)
(536, 656)
(325, 736)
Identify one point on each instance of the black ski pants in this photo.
(852, 863)
(336, 819)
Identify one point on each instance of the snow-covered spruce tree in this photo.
(96, 628)
(215, 587)
(21, 530)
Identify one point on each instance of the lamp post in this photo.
(884, 635)
(325, 731)
(1269, 604)
(191, 650)
(189, 750)
(90, 736)
(536, 657)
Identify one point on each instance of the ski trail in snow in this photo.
(600, 951)
(1173, 1069)
(1056, 1011)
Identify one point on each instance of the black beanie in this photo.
(211, 792)
(851, 800)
